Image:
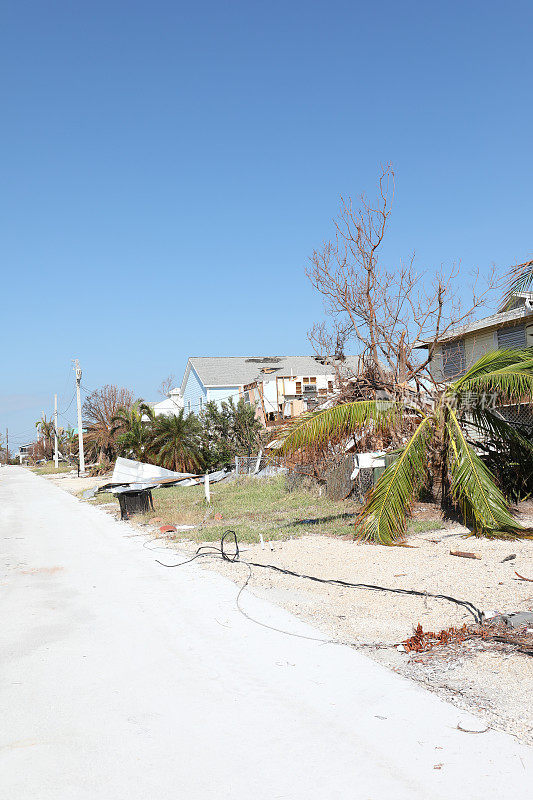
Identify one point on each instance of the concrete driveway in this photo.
(121, 679)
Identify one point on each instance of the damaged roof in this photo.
(514, 316)
(239, 370)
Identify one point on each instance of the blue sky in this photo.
(168, 168)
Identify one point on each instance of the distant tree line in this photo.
(117, 424)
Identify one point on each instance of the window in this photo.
(189, 406)
(453, 359)
(298, 387)
(512, 337)
(330, 386)
(201, 403)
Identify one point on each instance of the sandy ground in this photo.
(71, 483)
(124, 679)
(485, 679)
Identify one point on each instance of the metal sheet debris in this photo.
(130, 475)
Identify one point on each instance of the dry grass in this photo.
(49, 468)
(251, 507)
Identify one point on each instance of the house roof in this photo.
(494, 321)
(239, 370)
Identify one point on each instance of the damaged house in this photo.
(279, 387)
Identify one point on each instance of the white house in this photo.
(170, 406)
(278, 386)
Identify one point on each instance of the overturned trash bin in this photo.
(138, 501)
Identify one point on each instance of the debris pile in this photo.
(421, 641)
(497, 630)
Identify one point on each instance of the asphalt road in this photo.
(122, 679)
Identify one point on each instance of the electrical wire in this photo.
(234, 557)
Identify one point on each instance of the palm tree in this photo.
(69, 440)
(176, 442)
(99, 410)
(46, 428)
(439, 450)
(132, 425)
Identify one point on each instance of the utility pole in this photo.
(7, 445)
(77, 372)
(56, 454)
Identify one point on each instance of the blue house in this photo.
(217, 378)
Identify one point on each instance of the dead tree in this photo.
(382, 311)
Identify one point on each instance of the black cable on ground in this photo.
(233, 557)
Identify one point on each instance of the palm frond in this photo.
(512, 384)
(493, 361)
(383, 519)
(521, 281)
(473, 486)
(321, 426)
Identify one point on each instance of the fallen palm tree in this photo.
(441, 452)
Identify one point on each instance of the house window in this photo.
(201, 403)
(330, 386)
(189, 406)
(512, 337)
(453, 359)
(298, 387)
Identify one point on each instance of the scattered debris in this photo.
(472, 730)
(133, 475)
(518, 619)
(168, 529)
(508, 558)
(522, 577)
(493, 630)
(422, 641)
(462, 554)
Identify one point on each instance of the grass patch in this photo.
(49, 468)
(251, 508)
(421, 526)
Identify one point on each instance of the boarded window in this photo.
(298, 387)
(512, 337)
(453, 359)
(330, 386)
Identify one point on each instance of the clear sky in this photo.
(168, 168)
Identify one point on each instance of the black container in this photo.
(138, 502)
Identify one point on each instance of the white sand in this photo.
(495, 684)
